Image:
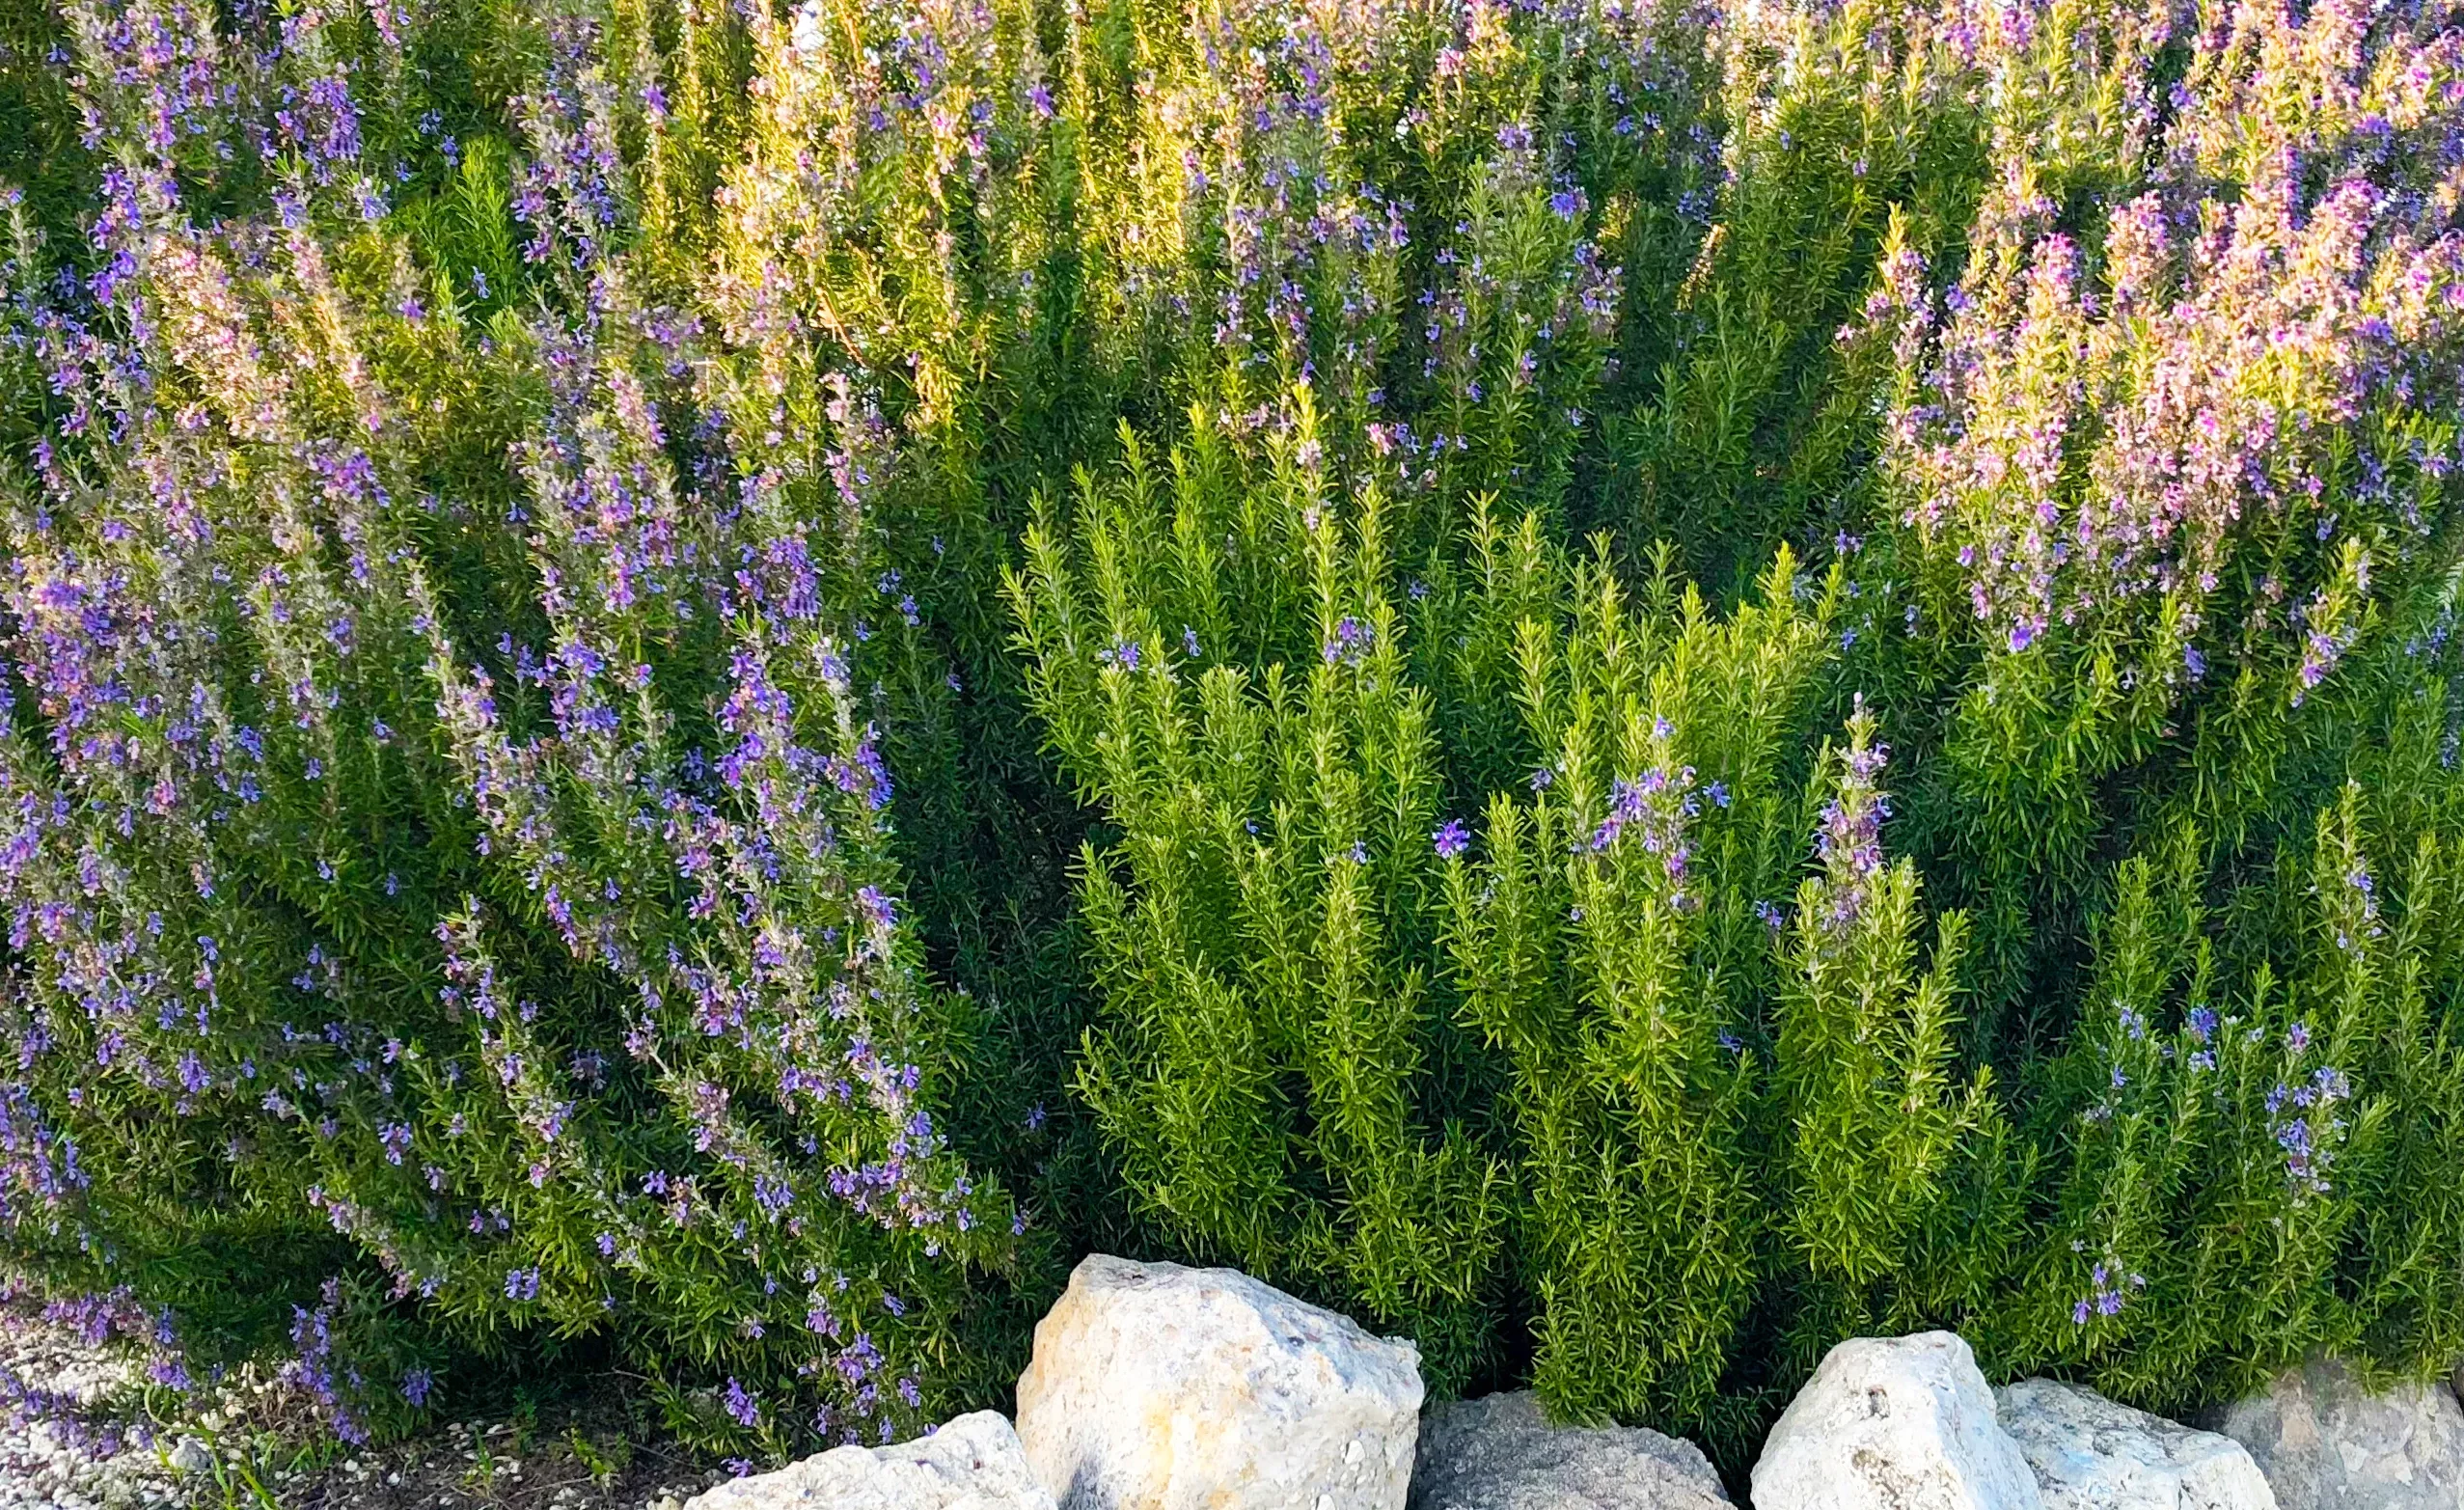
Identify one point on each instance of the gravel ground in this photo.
(36, 1468)
(584, 1450)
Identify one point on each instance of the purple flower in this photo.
(1351, 642)
(742, 1404)
(1452, 839)
(878, 909)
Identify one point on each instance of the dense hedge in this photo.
(1627, 686)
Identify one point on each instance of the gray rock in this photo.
(2325, 1442)
(1159, 1388)
(973, 1463)
(1894, 1424)
(1500, 1453)
(2090, 1453)
(191, 1456)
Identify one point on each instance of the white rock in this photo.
(2327, 1443)
(973, 1463)
(1501, 1453)
(191, 1456)
(1894, 1424)
(2090, 1453)
(1159, 1387)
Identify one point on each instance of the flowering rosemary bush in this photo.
(1522, 967)
(447, 844)
(1627, 685)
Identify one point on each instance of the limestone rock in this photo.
(2325, 1442)
(1500, 1453)
(1894, 1424)
(2090, 1453)
(973, 1463)
(1159, 1388)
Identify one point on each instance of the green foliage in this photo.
(1261, 1062)
(1609, 947)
